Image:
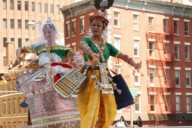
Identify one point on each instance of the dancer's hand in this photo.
(138, 66)
(16, 62)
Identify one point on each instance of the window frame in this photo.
(177, 57)
(136, 23)
(117, 19)
(178, 103)
(176, 27)
(138, 47)
(179, 78)
(187, 32)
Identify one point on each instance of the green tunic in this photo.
(109, 51)
(61, 51)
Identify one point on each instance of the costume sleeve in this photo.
(86, 40)
(113, 51)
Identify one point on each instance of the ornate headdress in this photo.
(101, 16)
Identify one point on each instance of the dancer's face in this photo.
(48, 34)
(97, 27)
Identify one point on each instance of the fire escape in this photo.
(158, 57)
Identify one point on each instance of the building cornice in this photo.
(78, 8)
(161, 7)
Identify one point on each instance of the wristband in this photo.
(129, 60)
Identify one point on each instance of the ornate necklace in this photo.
(100, 49)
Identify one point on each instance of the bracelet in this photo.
(87, 50)
(129, 60)
(95, 55)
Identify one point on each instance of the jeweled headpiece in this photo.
(101, 16)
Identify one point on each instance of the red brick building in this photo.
(159, 34)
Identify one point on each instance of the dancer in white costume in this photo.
(47, 107)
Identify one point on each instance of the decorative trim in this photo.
(152, 40)
(82, 17)
(91, 14)
(136, 13)
(178, 93)
(47, 49)
(188, 69)
(176, 42)
(188, 94)
(118, 36)
(67, 22)
(176, 19)
(166, 93)
(165, 17)
(177, 68)
(152, 93)
(186, 43)
(149, 15)
(73, 20)
(136, 38)
(152, 66)
(186, 20)
(116, 10)
(166, 67)
(166, 41)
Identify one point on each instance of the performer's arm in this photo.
(130, 61)
(19, 51)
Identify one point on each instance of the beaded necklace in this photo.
(100, 49)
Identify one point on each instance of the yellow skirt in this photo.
(94, 106)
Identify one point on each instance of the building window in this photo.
(178, 103)
(176, 27)
(14, 106)
(168, 98)
(188, 76)
(33, 6)
(39, 7)
(4, 4)
(136, 48)
(152, 76)
(51, 8)
(117, 19)
(82, 25)
(137, 103)
(4, 107)
(68, 59)
(165, 25)
(73, 28)
(167, 71)
(4, 23)
(186, 25)
(19, 24)
(12, 23)
(189, 104)
(187, 52)
(11, 4)
(177, 52)
(118, 69)
(4, 61)
(45, 7)
(137, 79)
(152, 102)
(19, 42)
(26, 6)
(18, 5)
(135, 22)
(26, 24)
(151, 49)
(4, 42)
(12, 39)
(177, 78)
(167, 46)
(68, 30)
(151, 23)
(117, 43)
(58, 9)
